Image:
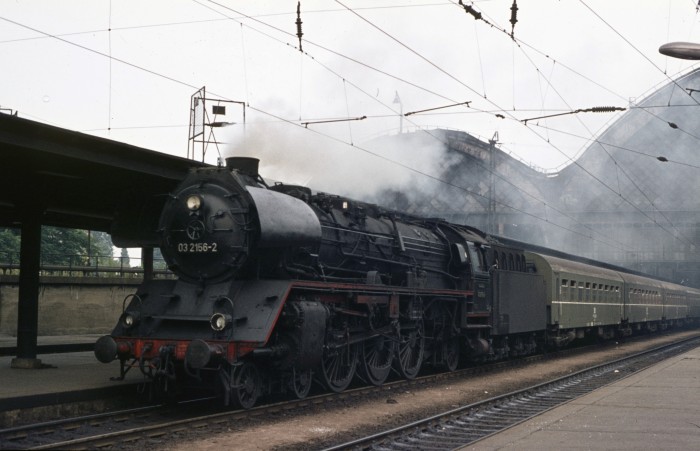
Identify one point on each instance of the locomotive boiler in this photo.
(278, 288)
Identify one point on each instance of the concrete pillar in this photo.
(28, 312)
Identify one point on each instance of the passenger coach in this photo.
(583, 299)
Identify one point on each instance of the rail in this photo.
(462, 426)
(137, 428)
(76, 265)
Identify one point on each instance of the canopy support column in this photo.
(28, 309)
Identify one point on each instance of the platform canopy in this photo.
(82, 181)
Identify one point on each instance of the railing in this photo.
(85, 266)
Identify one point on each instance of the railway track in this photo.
(113, 429)
(466, 425)
(107, 429)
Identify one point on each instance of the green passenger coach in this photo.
(579, 295)
(586, 300)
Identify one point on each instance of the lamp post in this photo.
(682, 50)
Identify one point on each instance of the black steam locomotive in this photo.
(279, 287)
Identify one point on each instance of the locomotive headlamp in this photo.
(130, 319)
(219, 321)
(194, 202)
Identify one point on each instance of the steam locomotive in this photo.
(279, 287)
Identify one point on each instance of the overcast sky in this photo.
(125, 70)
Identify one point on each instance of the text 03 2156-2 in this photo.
(197, 247)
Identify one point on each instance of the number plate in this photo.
(191, 248)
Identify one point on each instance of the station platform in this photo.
(657, 408)
(69, 383)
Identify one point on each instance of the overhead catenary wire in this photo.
(595, 109)
(677, 237)
(642, 54)
(138, 67)
(436, 108)
(328, 136)
(616, 245)
(109, 46)
(521, 43)
(616, 146)
(241, 25)
(88, 49)
(597, 179)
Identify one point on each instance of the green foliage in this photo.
(158, 261)
(9, 245)
(125, 259)
(101, 244)
(61, 246)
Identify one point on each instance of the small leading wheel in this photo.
(450, 353)
(338, 367)
(300, 383)
(246, 385)
(408, 357)
(375, 359)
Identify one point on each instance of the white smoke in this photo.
(295, 155)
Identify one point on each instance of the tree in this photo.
(158, 260)
(60, 246)
(9, 245)
(125, 260)
(101, 248)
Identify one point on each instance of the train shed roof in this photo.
(74, 179)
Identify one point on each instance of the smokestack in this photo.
(245, 165)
